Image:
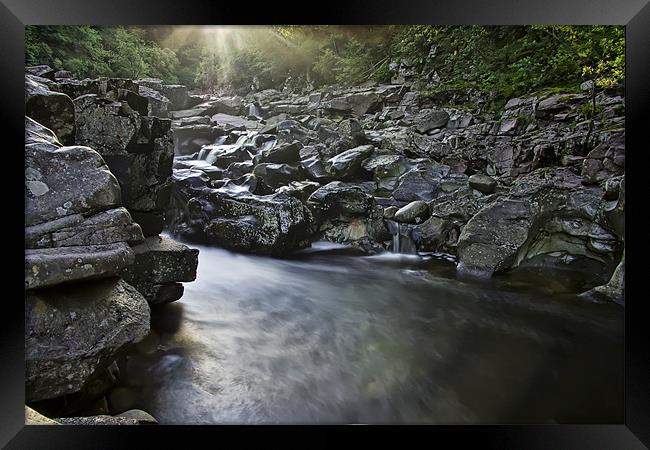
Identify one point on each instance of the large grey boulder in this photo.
(276, 175)
(52, 174)
(236, 219)
(159, 264)
(51, 266)
(547, 214)
(72, 332)
(428, 120)
(54, 110)
(427, 181)
(347, 165)
(158, 104)
(414, 212)
(482, 183)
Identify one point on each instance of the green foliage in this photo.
(496, 62)
(88, 51)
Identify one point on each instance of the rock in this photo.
(347, 165)
(386, 169)
(51, 266)
(270, 224)
(482, 183)
(73, 331)
(223, 156)
(614, 290)
(414, 212)
(299, 189)
(275, 175)
(43, 71)
(428, 120)
(427, 181)
(159, 261)
(140, 416)
(546, 214)
(338, 200)
(106, 227)
(223, 120)
(389, 212)
(106, 125)
(606, 160)
(189, 139)
(158, 104)
(312, 162)
(52, 188)
(283, 153)
(54, 110)
(434, 235)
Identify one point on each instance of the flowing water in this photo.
(333, 336)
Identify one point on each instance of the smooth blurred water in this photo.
(333, 336)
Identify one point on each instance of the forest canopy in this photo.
(498, 61)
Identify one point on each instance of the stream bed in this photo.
(331, 335)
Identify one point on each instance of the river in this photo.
(334, 336)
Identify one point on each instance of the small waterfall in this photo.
(402, 240)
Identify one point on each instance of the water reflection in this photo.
(332, 336)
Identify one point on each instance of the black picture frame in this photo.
(634, 14)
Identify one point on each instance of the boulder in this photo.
(546, 214)
(276, 175)
(51, 266)
(347, 165)
(313, 163)
(158, 104)
(426, 181)
(223, 156)
(105, 227)
(428, 120)
(414, 212)
(270, 224)
(482, 183)
(54, 110)
(283, 153)
(74, 331)
(386, 170)
(52, 188)
(159, 263)
(190, 138)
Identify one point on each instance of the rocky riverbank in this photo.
(110, 163)
(97, 183)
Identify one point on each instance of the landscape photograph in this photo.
(324, 224)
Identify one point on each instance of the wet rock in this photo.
(606, 160)
(269, 224)
(428, 120)
(73, 331)
(283, 153)
(347, 165)
(545, 213)
(427, 181)
(52, 188)
(414, 212)
(482, 183)
(614, 290)
(158, 261)
(276, 175)
(312, 161)
(106, 227)
(54, 110)
(390, 211)
(190, 138)
(386, 170)
(51, 266)
(299, 189)
(158, 104)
